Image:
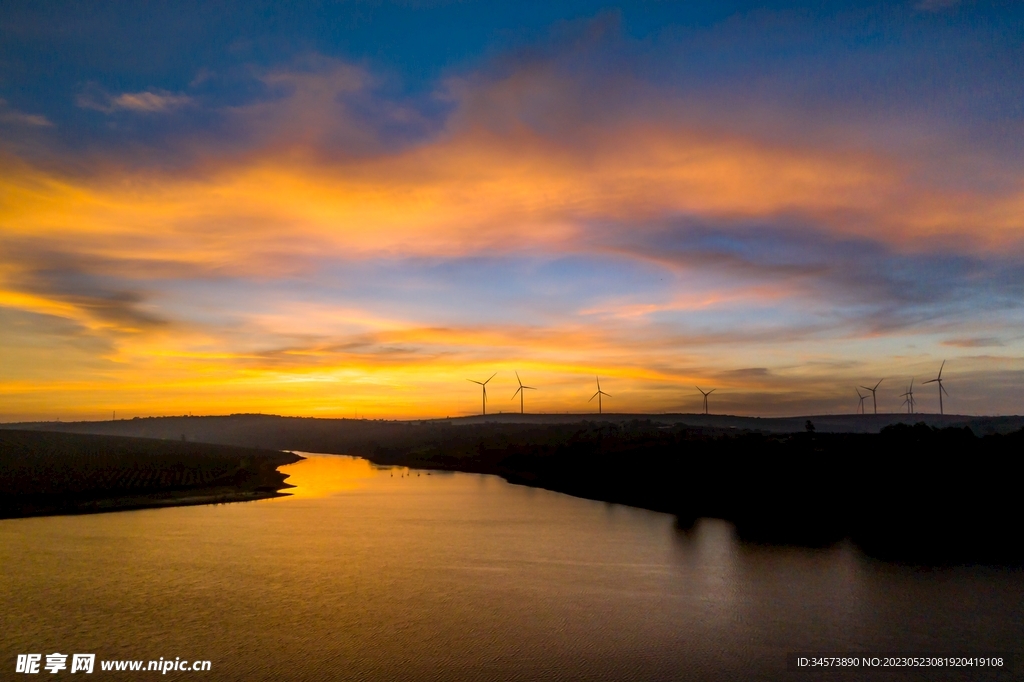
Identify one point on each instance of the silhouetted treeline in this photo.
(49, 473)
(911, 492)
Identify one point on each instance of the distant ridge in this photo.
(260, 430)
(823, 423)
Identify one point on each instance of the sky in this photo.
(349, 209)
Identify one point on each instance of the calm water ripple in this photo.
(381, 574)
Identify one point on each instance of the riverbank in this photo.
(45, 473)
(910, 493)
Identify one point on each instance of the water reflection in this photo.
(712, 564)
(379, 574)
(322, 475)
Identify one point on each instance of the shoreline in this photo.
(59, 474)
(107, 505)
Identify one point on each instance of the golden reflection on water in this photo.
(379, 574)
(323, 475)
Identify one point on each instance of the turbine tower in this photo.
(874, 401)
(942, 389)
(706, 394)
(860, 405)
(483, 385)
(598, 395)
(521, 391)
(908, 397)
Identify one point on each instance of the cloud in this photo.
(146, 101)
(748, 374)
(149, 101)
(49, 281)
(328, 111)
(784, 242)
(114, 308)
(537, 156)
(853, 283)
(11, 115)
(976, 342)
(319, 231)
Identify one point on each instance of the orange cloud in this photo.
(478, 187)
(473, 191)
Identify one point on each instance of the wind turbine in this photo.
(483, 385)
(521, 391)
(706, 394)
(598, 395)
(860, 406)
(908, 397)
(942, 389)
(874, 401)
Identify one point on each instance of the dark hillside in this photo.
(46, 473)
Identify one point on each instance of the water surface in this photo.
(386, 574)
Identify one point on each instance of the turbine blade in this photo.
(491, 377)
(592, 397)
(516, 393)
(879, 383)
(932, 381)
(940, 368)
(712, 391)
(518, 379)
(943, 388)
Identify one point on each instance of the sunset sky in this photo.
(352, 208)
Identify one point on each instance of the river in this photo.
(370, 573)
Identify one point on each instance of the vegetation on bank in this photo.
(45, 473)
(910, 492)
